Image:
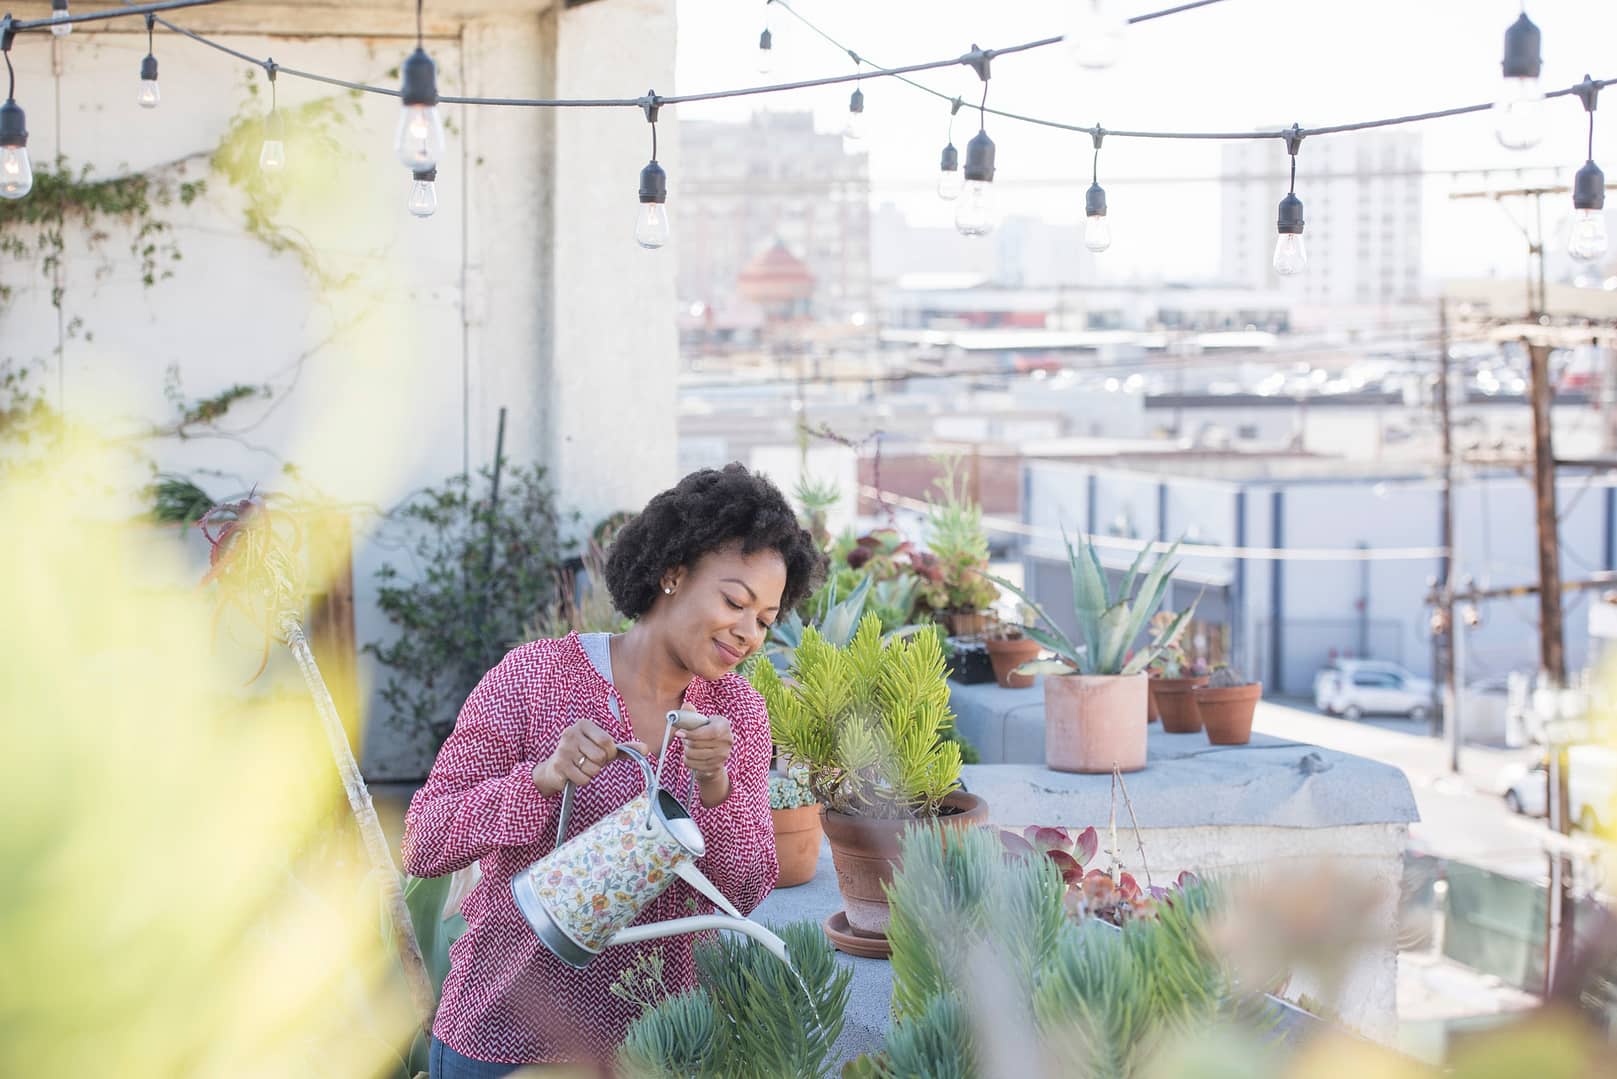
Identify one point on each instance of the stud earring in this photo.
(667, 591)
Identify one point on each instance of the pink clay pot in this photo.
(1094, 721)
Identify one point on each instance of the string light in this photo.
(150, 93)
(651, 223)
(1290, 254)
(16, 174)
(272, 155)
(1097, 233)
(423, 201)
(975, 213)
(60, 27)
(1519, 113)
(419, 142)
(1588, 239)
(1096, 37)
(766, 45)
(949, 179)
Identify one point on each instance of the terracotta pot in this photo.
(1227, 712)
(1173, 702)
(1093, 721)
(865, 850)
(966, 623)
(797, 843)
(1006, 656)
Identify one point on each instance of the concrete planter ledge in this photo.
(1188, 783)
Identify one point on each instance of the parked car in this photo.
(1359, 687)
(1591, 782)
(1527, 790)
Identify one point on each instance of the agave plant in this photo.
(1108, 622)
(837, 626)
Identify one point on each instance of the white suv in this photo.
(1360, 687)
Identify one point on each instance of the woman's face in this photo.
(721, 608)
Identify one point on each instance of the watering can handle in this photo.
(567, 789)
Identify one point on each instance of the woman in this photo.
(704, 571)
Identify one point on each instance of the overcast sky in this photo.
(1229, 66)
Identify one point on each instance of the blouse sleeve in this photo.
(739, 832)
(480, 794)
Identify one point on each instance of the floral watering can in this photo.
(581, 897)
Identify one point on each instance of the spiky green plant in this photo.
(991, 905)
(749, 1017)
(1100, 997)
(1108, 622)
(868, 722)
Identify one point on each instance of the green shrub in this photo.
(482, 570)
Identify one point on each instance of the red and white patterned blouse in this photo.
(507, 999)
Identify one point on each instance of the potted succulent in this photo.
(1095, 695)
(958, 587)
(1173, 676)
(797, 828)
(1008, 648)
(1226, 704)
(868, 725)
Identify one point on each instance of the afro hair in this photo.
(705, 511)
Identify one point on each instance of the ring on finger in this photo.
(580, 762)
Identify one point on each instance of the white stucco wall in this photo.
(389, 362)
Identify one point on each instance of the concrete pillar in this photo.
(607, 346)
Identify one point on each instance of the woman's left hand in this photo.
(707, 749)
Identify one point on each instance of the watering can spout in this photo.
(636, 934)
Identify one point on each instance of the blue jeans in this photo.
(444, 1063)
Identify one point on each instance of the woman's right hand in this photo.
(583, 751)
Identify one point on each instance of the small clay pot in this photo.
(1173, 702)
(967, 623)
(797, 843)
(865, 851)
(1094, 722)
(1006, 656)
(1227, 712)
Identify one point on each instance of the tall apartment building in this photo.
(1361, 197)
(743, 186)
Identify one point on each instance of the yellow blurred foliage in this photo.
(176, 903)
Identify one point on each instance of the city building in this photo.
(1022, 252)
(1361, 195)
(745, 187)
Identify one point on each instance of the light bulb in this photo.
(420, 141)
(59, 14)
(424, 194)
(1097, 233)
(1290, 254)
(1096, 34)
(854, 129)
(766, 52)
(16, 174)
(150, 93)
(950, 181)
(272, 157)
(974, 210)
(651, 225)
(1588, 239)
(1518, 117)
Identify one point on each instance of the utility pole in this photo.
(1552, 660)
(1449, 642)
